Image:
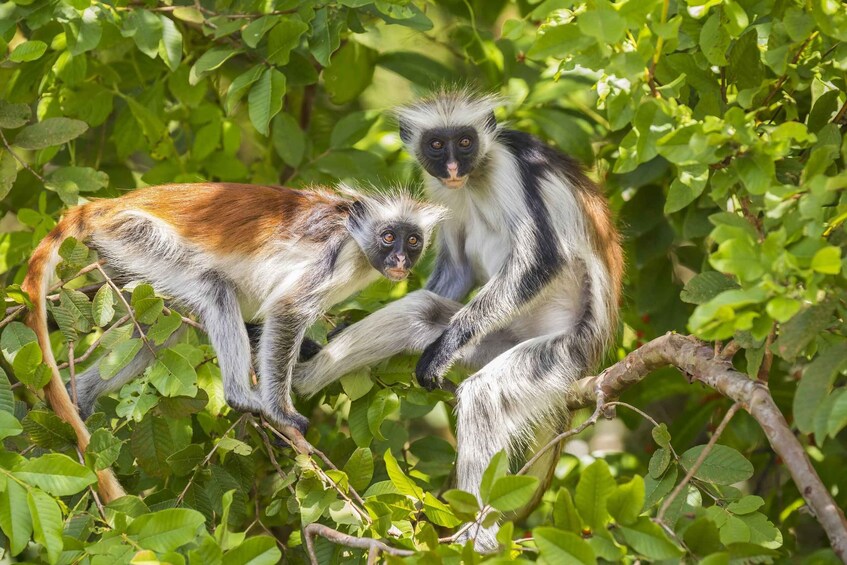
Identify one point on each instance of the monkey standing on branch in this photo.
(278, 254)
(536, 233)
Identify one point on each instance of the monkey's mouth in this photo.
(396, 273)
(455, 182)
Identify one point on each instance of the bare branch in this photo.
(312, 530)
(698, 462)
(697, 361)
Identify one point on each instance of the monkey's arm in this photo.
(452, 276)
(522, 277)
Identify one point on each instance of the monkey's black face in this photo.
(397, 248)
(449, 154)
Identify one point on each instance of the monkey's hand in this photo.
(435, 361)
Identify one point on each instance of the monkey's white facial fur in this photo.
(393, 230)
(449, 134)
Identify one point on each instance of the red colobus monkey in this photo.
(529, 227)
(228, 251)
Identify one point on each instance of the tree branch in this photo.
(698, 362)
(372, 545)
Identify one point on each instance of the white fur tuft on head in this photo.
(449, 108)
(396, 204)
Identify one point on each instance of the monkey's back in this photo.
(224, 218)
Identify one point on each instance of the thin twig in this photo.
(299, 444)
(312, 530)
(128, 309)
(784, 77)
(728, 352)
(91, 348)
(18, 159)
(698, 462)
(269, 448)
(206, 460)
(764, 372)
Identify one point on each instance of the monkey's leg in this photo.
(406, 325)
(502, 406)
(279, 348)
(221, 316)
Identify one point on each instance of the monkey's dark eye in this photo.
(414, 240)
(388, 237)
(465, 142)
(436, 144)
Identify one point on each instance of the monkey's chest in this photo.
(486, 247)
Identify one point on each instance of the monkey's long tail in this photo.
(36, 284)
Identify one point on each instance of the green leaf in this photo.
(164, 328)
(50, 133)
(661, 435)
(289, 140)
(56, 473)
(782, 308)
(462, 502)
(257, 550)
(801, 329)
(404, 484)
(209, 61)
(648, 539)
(594, 488)
(439, 513)
(184, 461)
(714, 40)
(326, 35)
(15, 517)
(83, 34)
(8, 173)
(565, 515)
(512, 492)
(173, 375)
(382, 405)
(284, 37)
(265, 99)
(559, 547)
(360, 468)
(350, 71)
(13, 115)
(497, 468)
(103, 306)
(659, 462)
(827, 260)
(9, 425)
(145, 28)
(240, 86)
(253, 32)
(837, 418)
(112, 363)
(627, 500)
(416, 67)
(723, 465)
(604, 25)
(47, 523)
(351, 128)
(103, 449)
(28, 51)
(686, 187)
(170, 46)
(166, 530)
(146, 304)
(746, 505)
(559, 42)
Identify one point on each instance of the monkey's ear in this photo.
(491, 122)
(405, 131)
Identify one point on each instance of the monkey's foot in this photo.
(485, 539)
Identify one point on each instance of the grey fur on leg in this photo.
(90, 386)
(228, 336)
(502, 405)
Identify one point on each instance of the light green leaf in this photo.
(360, 468)
(15, 518)
(461, 501)
(8, 173)
(350, 71)
(723, 465)
(265, 99)
(103, 449)
(627, 500)
(648, 539)
(512, 492)
(166, 530)
(439, 513)
(594, 488)
(497, 468)
(256, 550)
(103, 306)
(827, 260)
(173, 375)
(290, 143)
(47, 523)
(119, 357)
(28, 51)
(559, 547)
(209, 61)
(170, 46)
(565, 515)
(13, 115)
(284, 37)
(9, 425)
(56, 473)
(404, 484)
(50, 133)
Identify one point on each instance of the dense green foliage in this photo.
(715, 125)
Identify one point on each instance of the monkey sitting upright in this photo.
(224, 250)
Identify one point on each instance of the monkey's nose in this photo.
(453, 169)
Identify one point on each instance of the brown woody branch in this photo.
(698, 362)
(372, 545)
